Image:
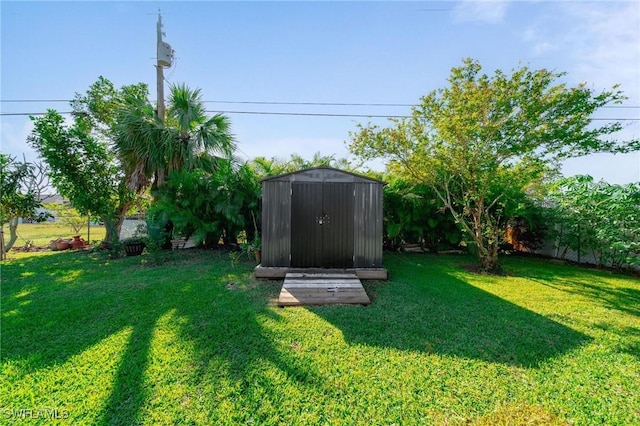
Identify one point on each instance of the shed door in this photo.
(322, 225)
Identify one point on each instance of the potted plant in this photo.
(133, 246)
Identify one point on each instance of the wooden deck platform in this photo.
(322, 289)
(280, 272)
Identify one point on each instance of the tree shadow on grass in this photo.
(591, 283)
(426, 309)
(233, 331)
(60, 306)
(129, 392)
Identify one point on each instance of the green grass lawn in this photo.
(40, 234)
(198, 341)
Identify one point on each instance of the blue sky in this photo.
(334, 52)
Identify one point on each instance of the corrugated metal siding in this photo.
(368, 225)
(276, 223)
(351, 238)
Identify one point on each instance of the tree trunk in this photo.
(3, 255)
(489, 261)
(487, 247)
(487, 252)
(13, 234)
(113, 228)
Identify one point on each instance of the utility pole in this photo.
(164, 59)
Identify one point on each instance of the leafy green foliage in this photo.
(210, 206)
(187, 139)
(117, 147)
(15, 201)
(484, 142)
(68, 216)
(83, 169)
(266, 167)
(598, 218)
(413, 214)
(82, 163)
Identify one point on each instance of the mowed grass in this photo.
(198, 341)
(41, 234)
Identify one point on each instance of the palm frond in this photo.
(187, 139)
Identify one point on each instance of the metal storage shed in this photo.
(321, 218)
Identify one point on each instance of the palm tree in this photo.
(188, 139)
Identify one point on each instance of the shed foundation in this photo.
(277, 273)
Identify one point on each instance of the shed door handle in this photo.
(322, 219)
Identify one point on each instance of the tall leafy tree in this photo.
(83, 164)
(483, 141)
(116, 147)
(84, 170)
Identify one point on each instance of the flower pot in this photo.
(78, 242)
(134, 249)
(62, 245)
(53, 245)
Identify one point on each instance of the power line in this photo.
(311, 114)
(312, 103)
(239, 102)
(33, 100)
(5, 114)
(371, 104)
(302, 114)
(321, 114)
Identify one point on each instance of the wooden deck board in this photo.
(314, 276)
(272, 272)
(323, 284)
(322, 290)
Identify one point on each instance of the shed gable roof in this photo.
(322, 174)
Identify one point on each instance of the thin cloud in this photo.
(543, 47)
(486, 11)
(599, 40)
(610, 50)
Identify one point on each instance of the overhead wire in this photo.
(296, 113)
(301, 114)
(372, 104)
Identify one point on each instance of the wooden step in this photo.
(322, 289)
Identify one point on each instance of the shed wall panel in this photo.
(352, 204)
(368, 225)
(276, 223)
